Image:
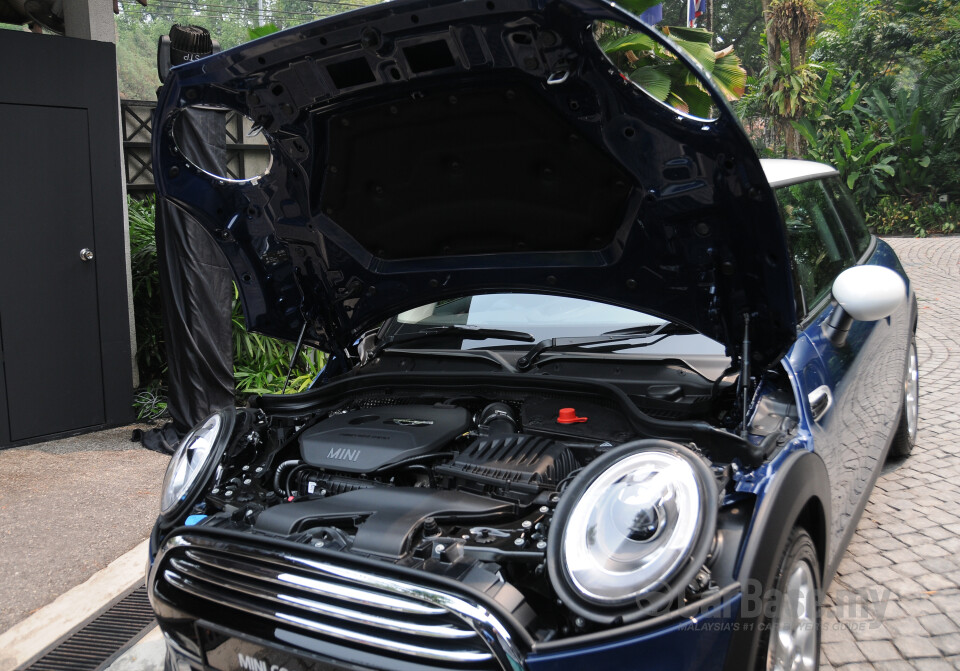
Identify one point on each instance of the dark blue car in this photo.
(603, 389)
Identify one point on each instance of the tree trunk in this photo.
(798, 52)
(773, 44)
(773, 59)
(795, 144)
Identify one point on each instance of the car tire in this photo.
(906, 436)
(790, 627)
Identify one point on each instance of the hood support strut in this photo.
(745, 373)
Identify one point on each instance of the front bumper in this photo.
(227, 601)
(698, 642)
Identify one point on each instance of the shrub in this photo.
(146, 291)
(895, 215)
(260, 363)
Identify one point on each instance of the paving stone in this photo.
(915, 647)
(887, 543)
(932, 665)
(936, 533)
(878, 651)
(940, 565)
(934, 581)
(907, 626)
(902, 556)
(930, 550)
(884, 575)
(899, 665)
(947, 601)
(904, 587)
(948, 645)
(874, 561)
(890, 610)
(918, 607)
(843, 653)
(868, 629)
(938, 624)
(909, 569)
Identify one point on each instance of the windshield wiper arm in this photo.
(613, 338)
(452, 331)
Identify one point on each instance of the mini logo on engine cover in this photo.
(402, 421)
(343, 454)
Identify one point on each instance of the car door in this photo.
(851, 387)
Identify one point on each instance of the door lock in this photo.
(86, 254)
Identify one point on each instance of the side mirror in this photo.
(863, 293)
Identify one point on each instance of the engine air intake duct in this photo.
(518, 463)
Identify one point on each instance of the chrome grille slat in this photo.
(389, 645)
(320, 587)
(372, 611)
(367, 580)
(444, 631)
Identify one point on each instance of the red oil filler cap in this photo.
(569, 416)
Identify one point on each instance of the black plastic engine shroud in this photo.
(363, 441)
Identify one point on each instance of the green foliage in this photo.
(262, 31)
(903, 118)
(146, 291)
(661, 74)
(879, 102)
(260, 363)
(941, 86)
(861, 158)
(788, 92)
(897, 216)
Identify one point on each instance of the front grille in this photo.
(387, 618)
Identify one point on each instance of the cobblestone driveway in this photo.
(895, 602)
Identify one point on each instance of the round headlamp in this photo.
(193, 462)
(632, 530)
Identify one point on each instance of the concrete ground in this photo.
(895, 603)
(67, 509)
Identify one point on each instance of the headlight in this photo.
(191, 465)
(632, 530)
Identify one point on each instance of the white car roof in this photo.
(786, 171)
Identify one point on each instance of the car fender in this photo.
(801, 480)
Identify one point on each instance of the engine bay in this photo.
(460, 485)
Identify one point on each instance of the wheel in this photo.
(906, 436)
(791, 627)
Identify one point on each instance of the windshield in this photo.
(546, 317)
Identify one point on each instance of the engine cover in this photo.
(363, 441)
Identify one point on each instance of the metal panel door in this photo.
(49, 316)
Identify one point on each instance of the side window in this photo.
(818, 246)
(850, 215)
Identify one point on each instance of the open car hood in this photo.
(427, 149)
